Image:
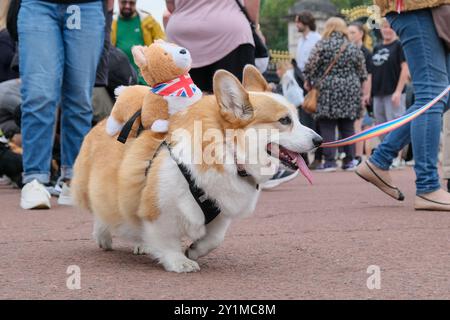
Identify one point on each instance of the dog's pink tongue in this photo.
(304, 169)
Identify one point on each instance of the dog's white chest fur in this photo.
(181, 103)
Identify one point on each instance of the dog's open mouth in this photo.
(290, 159)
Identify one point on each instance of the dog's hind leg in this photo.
(164, 244)
(215, 233)
(102, 234)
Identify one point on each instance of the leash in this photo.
(386, 127)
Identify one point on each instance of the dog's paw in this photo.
(182, 264)
(105, 243)
(192, 252)
(140, 249)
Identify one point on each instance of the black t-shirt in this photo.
(386, 62)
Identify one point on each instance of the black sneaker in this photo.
(278, 178)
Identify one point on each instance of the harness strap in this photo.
(125, 132)
(209, 207)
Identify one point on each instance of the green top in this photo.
(129, 34)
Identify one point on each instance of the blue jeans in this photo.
(429, 64)
(59, 49)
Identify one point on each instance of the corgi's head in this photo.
(280, 138)
(247, 126)
(161, 61)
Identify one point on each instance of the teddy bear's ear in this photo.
(139, 56)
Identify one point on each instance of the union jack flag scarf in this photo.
(179, 87)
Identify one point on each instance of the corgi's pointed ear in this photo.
(139, 56)
(253, 80)
(232, 97)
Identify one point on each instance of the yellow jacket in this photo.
(408, 5)
(151, 30)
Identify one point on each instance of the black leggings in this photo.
(233, 62)
(328, 131)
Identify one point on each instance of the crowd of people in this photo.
(57, 79)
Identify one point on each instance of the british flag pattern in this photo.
(182, 86)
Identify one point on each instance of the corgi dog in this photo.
(138, 190)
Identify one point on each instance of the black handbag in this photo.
(261, 50)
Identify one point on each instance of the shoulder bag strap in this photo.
(245, 12)
(333, 62)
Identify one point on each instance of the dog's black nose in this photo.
(183, 51)
(317, 141)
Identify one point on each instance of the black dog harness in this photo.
(208, 206)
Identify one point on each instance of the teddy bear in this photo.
(165, 67)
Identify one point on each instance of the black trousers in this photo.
(233, 62)
(307, 120)
(328, 131)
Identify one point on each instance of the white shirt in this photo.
(304, 47)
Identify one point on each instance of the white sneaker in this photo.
(65, 198)
(34, 195)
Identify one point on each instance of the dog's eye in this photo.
(285, 120)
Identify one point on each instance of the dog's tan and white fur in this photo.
(156, 211)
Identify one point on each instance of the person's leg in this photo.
(41, 67)
(359, 146)
(328, 132)
(346, 129)
(427, 60)
(446, 147)
(83, 46)
(318, 155)
(379, 111)
(426, 56)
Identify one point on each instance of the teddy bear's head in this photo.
(161, 61)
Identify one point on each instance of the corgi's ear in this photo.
(253, 80)
(139, 56)
(232, 97)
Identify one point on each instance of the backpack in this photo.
(121, 72)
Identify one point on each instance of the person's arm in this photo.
(110, 4)
(404, 75)
(170, 4)
(312, 66)
(252, 7)
(157, 32)
(367, 88)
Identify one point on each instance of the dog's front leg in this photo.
(163, 242)
(215, 233)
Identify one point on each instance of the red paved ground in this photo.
(302, 242)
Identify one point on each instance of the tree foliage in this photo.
(274, 22)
